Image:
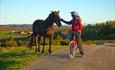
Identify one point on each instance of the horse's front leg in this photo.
(44, 41)
(39, 39)
(50, 42)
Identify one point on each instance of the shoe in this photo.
(82, 54)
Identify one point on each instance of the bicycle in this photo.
(73, 46)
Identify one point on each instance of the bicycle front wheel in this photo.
(72, 50)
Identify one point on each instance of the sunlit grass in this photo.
(16, 58)
(89, 42)
(11, 35)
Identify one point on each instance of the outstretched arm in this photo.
(67, 22)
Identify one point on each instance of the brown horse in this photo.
(44, 28)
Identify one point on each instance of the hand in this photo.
(78, 32)
(61, 19)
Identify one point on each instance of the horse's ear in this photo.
(58, 11)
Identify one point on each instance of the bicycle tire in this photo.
(72, 50)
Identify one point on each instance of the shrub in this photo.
(56, 42)
(11, 42)
(64, 42)
(3, 44)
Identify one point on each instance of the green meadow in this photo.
(16, 58)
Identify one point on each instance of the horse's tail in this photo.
(30, 36)
(30, 41)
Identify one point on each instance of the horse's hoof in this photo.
(50, 51)
(42, 51)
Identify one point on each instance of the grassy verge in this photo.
(11, 35)
(16, 58)
(88, 42)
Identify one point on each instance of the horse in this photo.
(44, 28)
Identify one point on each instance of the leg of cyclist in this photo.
(71, 37)
(78, 39)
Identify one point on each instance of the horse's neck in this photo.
(49, 22)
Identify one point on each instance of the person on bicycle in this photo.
(76, 27)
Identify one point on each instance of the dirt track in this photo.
(101, 57)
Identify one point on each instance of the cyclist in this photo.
(76, 27)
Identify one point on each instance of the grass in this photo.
(15, 58)
(11, 35)
(89, 42)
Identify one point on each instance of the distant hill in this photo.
(23, 27)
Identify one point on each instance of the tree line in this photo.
(99, 31)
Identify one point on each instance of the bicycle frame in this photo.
(74, 39)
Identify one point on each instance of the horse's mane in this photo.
(49, 20)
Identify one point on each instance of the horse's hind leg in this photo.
(50, 42)
(35, 45)
(43, 44)
(39, 38)
(34, 41)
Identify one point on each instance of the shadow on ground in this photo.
(59, 56)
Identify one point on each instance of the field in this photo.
(11, 35)
(10, 28)
(15, 58)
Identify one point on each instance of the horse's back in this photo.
(37, 22)
(38, 26)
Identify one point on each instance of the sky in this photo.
(27, 11)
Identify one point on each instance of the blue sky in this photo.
(27, 11)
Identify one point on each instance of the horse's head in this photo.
(56, 18)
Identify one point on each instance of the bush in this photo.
(56, 42)
(3, 44)
(11, 42)
(64, 42)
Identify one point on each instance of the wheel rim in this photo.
(71, 50)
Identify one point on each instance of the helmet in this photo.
(75, 14)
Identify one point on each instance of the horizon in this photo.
(84, 24)
(27, 11)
